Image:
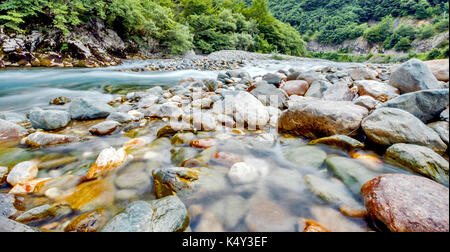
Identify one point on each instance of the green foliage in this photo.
(403, 45)
(178, 25)
(380, 32)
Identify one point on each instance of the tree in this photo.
(403, 45)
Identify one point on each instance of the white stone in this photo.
(22, 172)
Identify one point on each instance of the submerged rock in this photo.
(413, 75)
(425, 105)
(406, 203)
(44, 212)
(104, 128)
(243, 173)
(3, 174)
(90, 195)
(10, 131)
(419, 159)
(330, 191)
(266, 216)
(164, 215)
(120, 117)
(388, 126)
(13, 117)
(88, 222)
(39, 139)
(305, 156)
(317, 118)
(107, 162)
(177, 180)
(87, 109)
(49, 119)
(7, 225)
(7, 208)
(340, 141)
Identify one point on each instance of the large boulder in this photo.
(388, 126)
(317, 118)
(425, 105)
(49, 119)
(442, 128)
(295, 87)
(439, 68)
(378, 90)
(88, 109)
(419, 159)
(247, 110)
(269, 95)
(340, 92)
(406, 203)
(413, 75)
(317, 89)
(164, 215)
(10, 131)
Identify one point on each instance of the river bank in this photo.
(273, 145)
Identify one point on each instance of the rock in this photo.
(316, 118)
(60, 100)
(305, 156)
(362, 73)
(10, 131)
(317, 89)
(166, 110)
(179, 155)
(104, 128)
(87, 109)
(406, 203)
(269, 95)
(208, 222)
(314, 227)
(26, 187)
(204, 121)
(367, 102)
(339, 92)
(133, 180)
(204, 143)
(378, 90)
(90, 196)
(238, 74)
(49, 119)
(265, 216)
(120, 117)
(274, 78)
(248, 110)
(243, 173)
(442, 128)
(419, 159)
(7, 208)
(353, 173)
(340, 141)
(388, 126)
(413, 75)
(182, 138)
(204, 103)
(164, 215)
(39, 139)
(107, 162)
(7, 225)
(43, 212)
(22, 172)
(212, 85)
(227, 159)
(425, 105)
(330, 191)
(439, 68)
(88, 222)
(444, 115)
(295, 87)
(13, 117)
(177, 180)
(335, 221)
(3, 174)
(310, 76)
(230, 210)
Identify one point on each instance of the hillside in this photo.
(383, 24)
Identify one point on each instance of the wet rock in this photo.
(230, 210)
(305, 156)
(388, 126)
(314, 227)
(90, 196)
(51, 164)
(362, 73)
(107, 162)
(13, 117)
(208, 222)
(442, 129)
(177, 180)
(248, 110)
(22, 172)
(353, 173)
(316, 118)
(425, 105)
(88, 222)
(243, 173)
(204, 143)
(265, 216)
(10, 131)
(44, 212)
(104, 128)
(439, 68)
(39, 139)
(419, 159)
(164, 215)
(87, 109)
(367, 102)
(406, 203)
(133, 180)
(444, 115)
(26, 187)
(204, 121)
(317, 89)
(7, 208)
(179, 155)
(340, 141)
(269, 95)
(335, 221)
(412, 76)
(339, 92)
(204, 103)
(295, 87)
(7, 225)
(3, 174)
(182, 138)
(167, 110)
(330, 191)
(227, 159)
(60, 100)
(49, 119)
(378, 90)
(120, 117)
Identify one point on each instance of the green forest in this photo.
(177, 25)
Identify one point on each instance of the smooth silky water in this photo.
(281, 198)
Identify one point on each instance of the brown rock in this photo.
(407, 203)
(10, 131)
(107, 162)
(314, 227)
(227, 159)
(439, 68)
(88, 222)
(378, 90)
(295, 87)
(265, 216)
(39, 139)
(203, 143)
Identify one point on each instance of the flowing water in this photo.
(276, 202)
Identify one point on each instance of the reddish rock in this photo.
(439, 68)
(407, 203)
(295, 87)
(314, 227)
(203, 143)
(227, 159)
